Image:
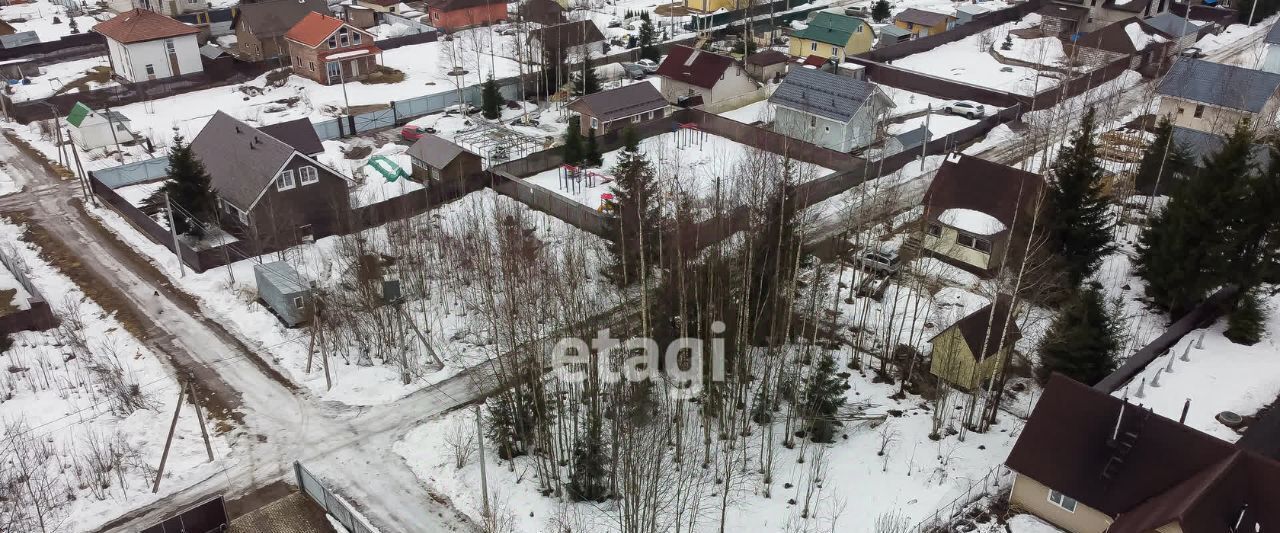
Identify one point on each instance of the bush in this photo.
(1246, 323)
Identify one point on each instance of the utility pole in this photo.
(164, 457)
(173, 230)
(204, 432)
(484, 480)
(84, 180)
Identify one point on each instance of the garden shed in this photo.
(283, 290)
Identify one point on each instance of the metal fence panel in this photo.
(327, 130)
(332, 503)
(133, 173)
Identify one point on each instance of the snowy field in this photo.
(939, 124)
(38, 16)
(968, 61)
(368, 185)
(681, 162)
(7, 184)
(442, 313)
(761, 111)
(86, 408)
(906, 102)
(1044, 51)
(54, 77)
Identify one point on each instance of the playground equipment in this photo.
(689, 134)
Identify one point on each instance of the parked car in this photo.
(966, 108)
(649, 65)
(412, 133)
(1192, 52)
(857, 11)
(882, 262)
(634, 71)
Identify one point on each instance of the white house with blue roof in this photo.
(1213, 97)
(829, 110)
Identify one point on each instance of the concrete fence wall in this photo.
(38, 316)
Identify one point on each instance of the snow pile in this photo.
(1141, 39)
(1046, 51)
(970, 221)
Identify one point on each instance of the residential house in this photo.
(97, 129)
(834, 36)
(1063, 19)
(269, 193)
(436, 159)
(144, 45)
(1109, 12)
(260, 27)
(891, 35)
(972, 207)
(544, 12)
(1213, 97)
(709, 6)
(452, 15)
(968, 12)
(829, 110)
(689, 72)
(1149, 49)
(298, 133)
(379, 6)
(284, 292)
(1272, 61)
(330, 51)
(1183, 32)
(969, 352)
(567, 43)
(172, 8)
(356, 15)
(923, 23)
(615, 109)
(911, 139)
(1089, 462)
(767, 65)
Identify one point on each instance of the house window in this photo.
(285, 181)
(168, 45)
(835, 51)
(934, 230)
(1062, 500)
(857, 29)
(308, 175)
(635, 119)
(595, 123)
(813, 121)
(813, 47)
(344, 39)
(1181, 110)
(969, 241)
(333, 41)
(1199, 111)
(151, 70)
(311, 65)
(297, 302)
(244, 218)
(355, 37)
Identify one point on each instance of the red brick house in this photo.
(450, 15)
(328, 50)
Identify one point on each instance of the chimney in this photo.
(251, 146)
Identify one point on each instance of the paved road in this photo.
(349, 447)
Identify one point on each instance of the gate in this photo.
(332, 503)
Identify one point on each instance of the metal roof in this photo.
(282, 276)
(625, 101)
(920, 16)
(1201, 144)
(894, 31)
(822, 93)
(1273, 35)
(241, 160)
(831, 28)
(1172, 25)
(1221, 85)
(435, 151)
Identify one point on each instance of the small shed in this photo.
(891, 35)
(767, 65)
(966, 13)
(283, 290)
(96, 129)
(435, 158)
(908, 140)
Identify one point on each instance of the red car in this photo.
(412, 133)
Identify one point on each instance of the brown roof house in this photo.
(1150, 50)
(923, 23)
(299, 134)
(689, 72)
(615, 109)
(973, 206)
(260, 27)
(330, 51)
(1063, 19)
(544, 12)
(967, 353)
(767, 65)
(568, 42)
(269, 193)
(144, 45)
(438, 160)
(1089, 462)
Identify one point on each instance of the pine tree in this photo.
(648, 48)
(491, 99)
(1253, 246)
(573, 142)
(592, 156)
(189, 189)
(638, 215)
(880, 11)
(1183, 253)
(1162, 161)
(1083, 341)
(589, 480)
(589, 83)
(824, 395)
(1247, 322)
(1078, 223)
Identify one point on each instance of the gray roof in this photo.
(281, 276)
(625, 101)
(1273, 35)
(1172, 25)
(823, 94)
(212, 51)
(913, 138)
(1221, 85)
(435, 151)
(241, 160)
(894, 31)
(920, 16)
(298, 133)
(1201, 144)
(274, 17)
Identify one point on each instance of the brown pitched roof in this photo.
(767, 57)
(1171, 473)
(568, 34)
(452, 5)
(980, 185)
(435, 151)
(982, 330)
(1115, 38)
(299, 134)
(920, 16)
(313, 29)
(275, 17)
(1059, 11)
(695, 67)
(139, 25)
(622, 102)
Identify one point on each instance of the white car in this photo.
(966, 109)
(648, 65)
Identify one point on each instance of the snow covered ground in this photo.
(681, 162)
(968, 61)
(54, 77)
(1045, 51)
(370, 186)
(1025, 523)
(86, 408)
(906, 102)
(940, 124)
(38, 16)
(760, 111)
(7, 184)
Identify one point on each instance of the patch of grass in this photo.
(384, 74)
(278, 77)
(99, 75)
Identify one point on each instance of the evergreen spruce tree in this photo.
(189, 190)
(1253, 245)
(592, 156)
(1078, 223)
(1247, 321)
(648, 46)
(589, 83)
(491, 99)
(880, 11)
(1162, 161)
(638, 219)
(1083, 341)
(573, 154)
(824, 395)
(589, 481)
(1184, 252)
